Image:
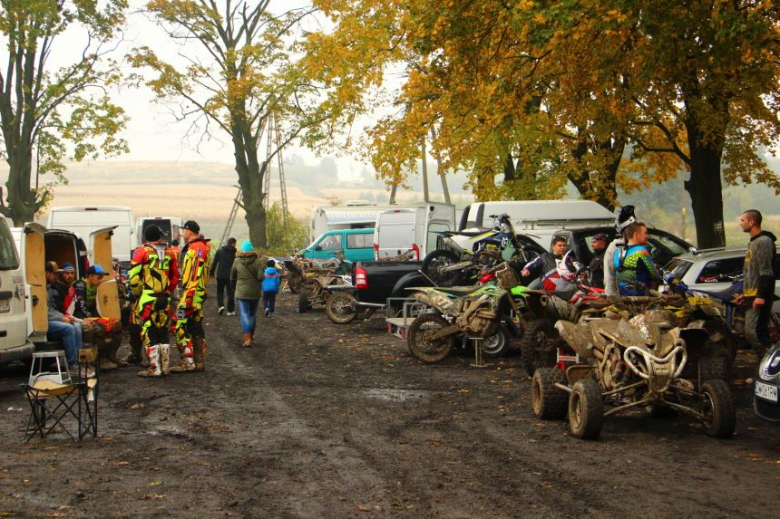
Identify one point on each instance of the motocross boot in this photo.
(103, 358)
(153, 353)
(112, 347)
(165, 358)
(199, 353)
(186, 363)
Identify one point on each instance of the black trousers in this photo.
(224, 285)
(269, 301)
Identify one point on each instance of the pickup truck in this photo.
(375, 281)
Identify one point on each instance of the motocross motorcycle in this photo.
(297, 268)
(458, 261)
(343, 307)
(629, 363)
(457, 314)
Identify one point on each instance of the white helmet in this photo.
(568, 267)
(624, 217)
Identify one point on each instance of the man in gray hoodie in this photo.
(759, 280)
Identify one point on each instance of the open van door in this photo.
(33, 249)
(107, 293)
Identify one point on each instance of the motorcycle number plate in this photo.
(766, 391)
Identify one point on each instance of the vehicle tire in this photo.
(718, 409)
(294, 282)
(423, 348)
(536, 348)
(714, 368)
(549, 402)
(722, 340)
(341, 308)
(586, 410)
(496, 345)
(303, 301)
(437, 259)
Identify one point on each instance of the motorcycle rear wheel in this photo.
(586, 410)
(341, 308)
(435, 261)
(421, 346)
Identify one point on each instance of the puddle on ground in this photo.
(395, 395)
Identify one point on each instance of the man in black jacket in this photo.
(223, 262)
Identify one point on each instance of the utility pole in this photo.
(425, 173)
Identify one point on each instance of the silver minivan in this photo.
(14, 341)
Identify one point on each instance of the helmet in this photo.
(568, 267)
(625, 217)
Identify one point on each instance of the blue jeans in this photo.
(247, 314)
(66, 334)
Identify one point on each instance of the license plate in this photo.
(5, 305)
(766, 391)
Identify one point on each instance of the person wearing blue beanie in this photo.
(246, 274)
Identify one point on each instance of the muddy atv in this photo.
(640, 362)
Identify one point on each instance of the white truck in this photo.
(169, 225)
(84, 220)
(354, 214)
(411, 230)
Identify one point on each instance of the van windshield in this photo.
(165, 226)
(9, 260)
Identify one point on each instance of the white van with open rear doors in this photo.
(37, 245)
(14, 341)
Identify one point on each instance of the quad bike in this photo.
(457, 261)
(624, 364)
(457, 314)
(299, 266)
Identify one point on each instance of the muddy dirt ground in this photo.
(325, 421)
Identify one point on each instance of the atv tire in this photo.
(536, 348)
(714, 368)
(548, 401)
(341, 308)
(423, 348)
(294, 282)
(718, 410)
(303, 301)
(586, 410)
(435, 261)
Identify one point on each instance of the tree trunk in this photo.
(22, 203)
(250, 178)
(706, 193)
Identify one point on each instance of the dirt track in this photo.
(327, 421)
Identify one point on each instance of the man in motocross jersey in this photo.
(190, 336)
(153, 275)
(634, 267)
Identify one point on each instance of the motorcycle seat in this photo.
(459, 291)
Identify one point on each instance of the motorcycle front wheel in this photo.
(496, 345)
(341, 308)
(419, 338)
(435, 262)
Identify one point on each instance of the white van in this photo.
(85, 220)
(414, 229)
(37, 245)
(353, 214)
(538, 219)
(169, 225)
(14, 341)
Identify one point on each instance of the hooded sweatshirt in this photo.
(759, 276)
(247, 272)
(223, 262)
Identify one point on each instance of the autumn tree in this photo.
(232, 72)
(50, 112)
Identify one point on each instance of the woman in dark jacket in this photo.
(246, 274)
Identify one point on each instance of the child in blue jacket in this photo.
(270, 287)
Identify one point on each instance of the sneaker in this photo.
(267, 312)
(222, 310)
(231, 313)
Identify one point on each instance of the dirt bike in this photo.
(457, 261)
(457, 314)
(642, 361)
(342, 306)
